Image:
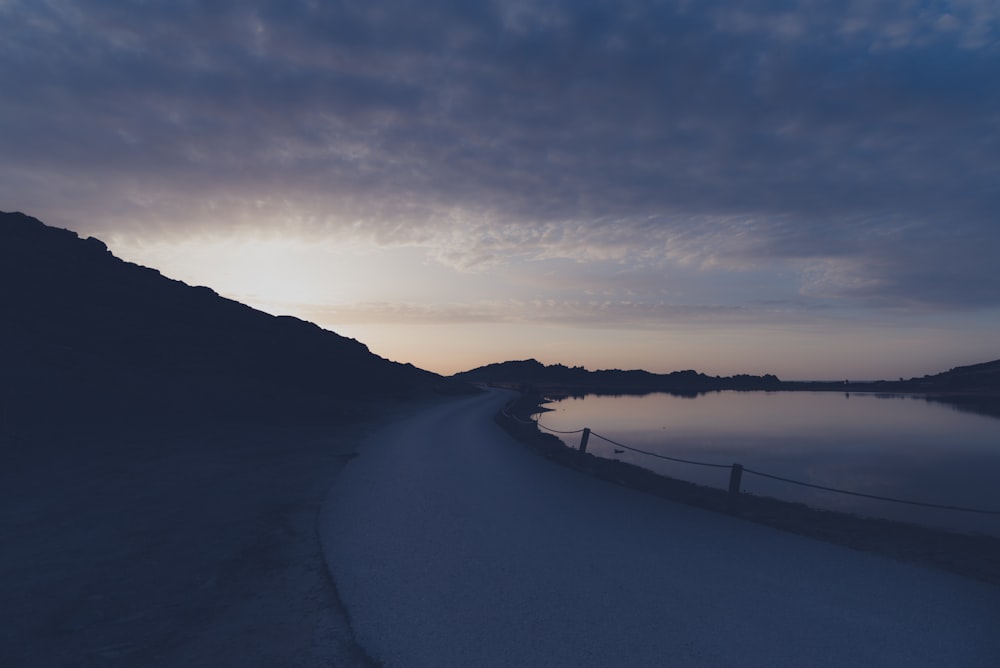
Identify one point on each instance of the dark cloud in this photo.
(728, 133)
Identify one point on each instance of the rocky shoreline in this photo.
(975, 556)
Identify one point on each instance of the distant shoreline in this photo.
(975, 388)
(979, 402)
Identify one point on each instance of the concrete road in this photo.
(453, 545)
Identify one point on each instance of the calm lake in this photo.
(897, 446)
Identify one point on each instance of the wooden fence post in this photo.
(584, 439)
(735, 475)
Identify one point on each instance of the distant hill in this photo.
(983, 377)
(557, 377)
(979, 379)
(84, 331)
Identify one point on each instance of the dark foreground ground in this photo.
(172, 545)
(975, 556)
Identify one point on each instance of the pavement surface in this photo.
(453, 545)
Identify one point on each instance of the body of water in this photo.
(897, 446)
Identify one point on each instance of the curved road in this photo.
(453, 545)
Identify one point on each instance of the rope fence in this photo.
(651, 454)
(737, 470)
(873, 496)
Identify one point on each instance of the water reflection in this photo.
(901, 446)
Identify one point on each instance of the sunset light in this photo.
(729, 183)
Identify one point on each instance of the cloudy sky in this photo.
(805, 188)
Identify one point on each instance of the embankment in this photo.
(975, 556)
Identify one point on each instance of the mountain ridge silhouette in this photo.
(533, 373)
(88, 334)
(86, 331)
(981, 378)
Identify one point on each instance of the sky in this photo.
(808, 189)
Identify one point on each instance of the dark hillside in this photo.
(84, 331)
(983, 377)
(557, 377)
(960, 383)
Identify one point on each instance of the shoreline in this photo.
(975, 556)
(979, 402)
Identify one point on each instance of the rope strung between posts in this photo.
(556, 431)
(657, 455)
(873, 496)
(506, 413)
(768, 475)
